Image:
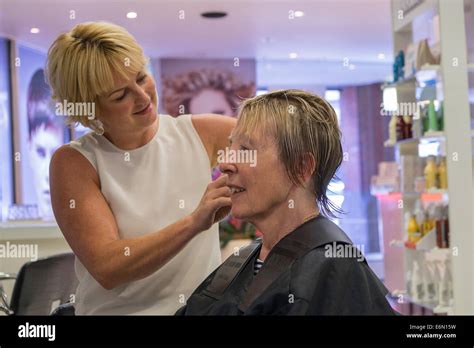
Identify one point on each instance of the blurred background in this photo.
(400, 75)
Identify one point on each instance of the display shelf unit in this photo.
(24, 230)
(455, 144)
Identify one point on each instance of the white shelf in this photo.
(437, 136)
(452, 85)
(22, 230)
(433, 306)
(404, 24)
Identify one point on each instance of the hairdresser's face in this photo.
(44, 141)
(210, 100)
(131, 106)
(265, 184)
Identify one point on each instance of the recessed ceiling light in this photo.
(299, 13)
(132, 15)
(34, 30)
(293, 55)
(214, 14)
(381, 56)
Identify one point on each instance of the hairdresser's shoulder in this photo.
(66, 159)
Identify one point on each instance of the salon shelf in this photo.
(403, 25)
(436, 252)
(21, 230)
(411, 79)
(432, 306)
(406, 31)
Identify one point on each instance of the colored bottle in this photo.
(432, 118)
(425, 122)
(446, 225)
(414, 234)
(442, 174)
(430, 173)
(438, 216)
(407, 130)
(392, 130)
(427, 223)
(420, 217)
(400, 128)
(441, 117)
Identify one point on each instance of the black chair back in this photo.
(43, 285)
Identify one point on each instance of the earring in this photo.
(98, 127)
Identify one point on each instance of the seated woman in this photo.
(304, 264)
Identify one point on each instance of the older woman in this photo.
(304, 264)
(133, 198)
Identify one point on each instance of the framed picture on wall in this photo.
(38, 132)
(197, 86)
(6, 153)
(217, 86)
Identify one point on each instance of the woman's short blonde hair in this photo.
(81, 63)
(300, 123)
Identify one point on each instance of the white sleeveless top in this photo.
(148, 189)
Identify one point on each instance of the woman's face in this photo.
(210, 101)
(43, 142)
(266, 184)
(131, 106)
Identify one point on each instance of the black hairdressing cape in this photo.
(299, 277)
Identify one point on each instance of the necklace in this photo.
(309, 217)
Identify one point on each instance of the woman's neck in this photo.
(278, 225)
(132, 141)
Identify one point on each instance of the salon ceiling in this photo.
(329, 31)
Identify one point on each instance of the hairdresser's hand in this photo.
(214, 206)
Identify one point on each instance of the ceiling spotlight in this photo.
(214, 14)
(34, 30)
(381, 56)
(132, 15)
(299, 13)
(293, 55)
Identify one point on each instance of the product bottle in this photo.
(432, 117)
(430, 173)
(441, 117)
(432, 216)
(450, 282)
(408, 127)
(444, 227)
(425, 121)
(420, 217)
(427, 223)
(400, 128)
(445, 286)
(430, 286)
(442, 175)
(417, 282)
(436, 279)
(414, 234)
(392, 130)
(438, 217)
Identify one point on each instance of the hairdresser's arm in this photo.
(214, 131)
(90, 228)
